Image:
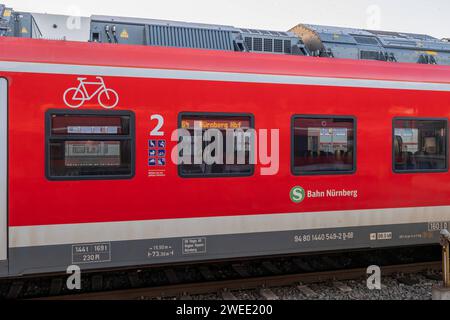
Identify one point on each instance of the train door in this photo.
(3, 176)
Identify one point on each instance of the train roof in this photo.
(82, 58)
(301, 40)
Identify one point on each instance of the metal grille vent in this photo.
(257, 44)
(287, 46)
(268, 45)
(366, 40)
(190, 37)
(278, 46)
(377, 55)
(370, 55)
(249, 43)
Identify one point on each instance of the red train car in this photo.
(357, 155)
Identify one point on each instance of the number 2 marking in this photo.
(156, 132)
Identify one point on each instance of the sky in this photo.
(415, 16)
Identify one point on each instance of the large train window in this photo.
(323, 145)
(420, 145)
(215, 145)
(89, 145)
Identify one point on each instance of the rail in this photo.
(245, 283)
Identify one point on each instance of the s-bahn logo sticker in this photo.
(86, 91)
(297, 194)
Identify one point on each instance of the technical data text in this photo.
(331, 236)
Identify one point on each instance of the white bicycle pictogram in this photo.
(76, 97)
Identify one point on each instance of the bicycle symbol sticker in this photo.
(75, 97)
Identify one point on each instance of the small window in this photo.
(420, 145)
(323, 145)
(216, 145)
(90, 145)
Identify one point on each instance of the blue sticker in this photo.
(161, 162)
(152, 162)
(161, 153)
(162, 144)
(152, 143)
(152, 153)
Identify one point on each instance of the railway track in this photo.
(219, 279)
(225, 288)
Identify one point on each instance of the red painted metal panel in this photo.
(34, 200)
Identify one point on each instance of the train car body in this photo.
(69, 109)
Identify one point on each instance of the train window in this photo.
(90, 145)
(323, 145)
(420, 145)
(215, 145)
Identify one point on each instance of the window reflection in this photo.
(323, 145)
(420, 145)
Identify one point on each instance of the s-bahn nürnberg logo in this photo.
(77, 96)
(298, 194)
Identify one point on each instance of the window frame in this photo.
(323, 173)
(131, 137)
(395, 171)
(216, 114)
